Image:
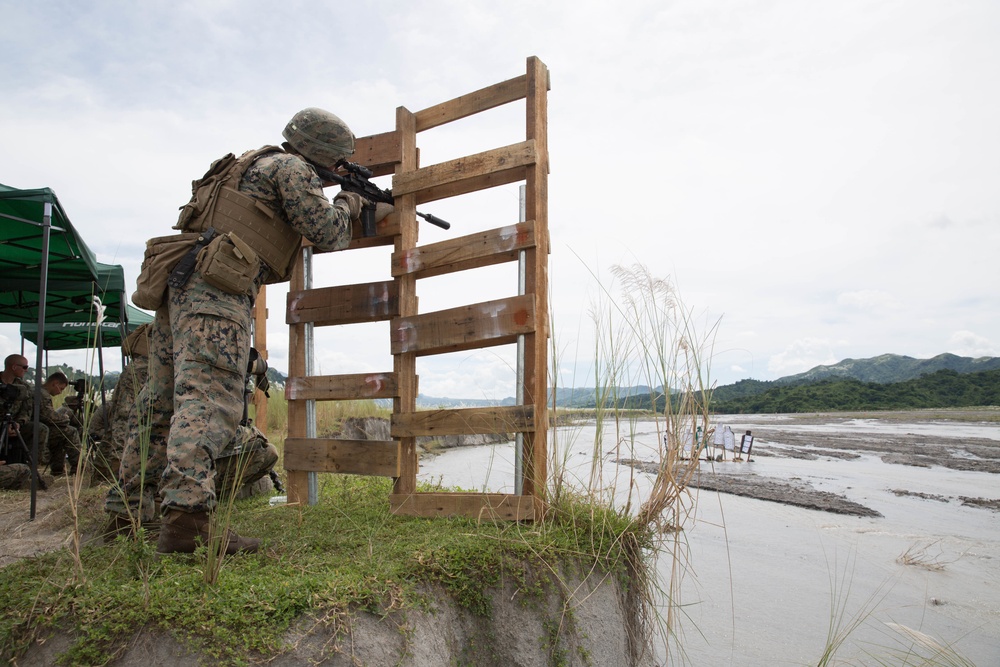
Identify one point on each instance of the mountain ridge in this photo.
(882, 369)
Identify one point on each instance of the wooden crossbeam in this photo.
(482, 506)
(343, 304)
(379, 152)
(489, 97)
(464, 421)
(483, 324)
(464, 174)
(494, 246)
(341, 387)
(386, 231)
(353, 457)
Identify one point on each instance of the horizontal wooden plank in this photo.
(343, 304)
(481, 506)
(487, 248)
(464, 421)
(386, 231)
(467, 185)
(359, 386)
(489, 97)
(475, 184)
(484, 324)
(461, 169)
(354, 457)
(379, 152)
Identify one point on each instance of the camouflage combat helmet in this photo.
(319, 136)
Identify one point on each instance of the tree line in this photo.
(941, 389)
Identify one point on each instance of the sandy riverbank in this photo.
(902, 438)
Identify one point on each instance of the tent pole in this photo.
(99, 307)
(43, 286)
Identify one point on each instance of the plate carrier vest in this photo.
(217, 202)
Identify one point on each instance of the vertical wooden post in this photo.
(298, 480)
(405, 364)
(537, 280)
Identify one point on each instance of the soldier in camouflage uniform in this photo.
(22, 412)
(64, 435)
(200, 338)
(110, 433)
(14, 476)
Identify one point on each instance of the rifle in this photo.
(357, 181)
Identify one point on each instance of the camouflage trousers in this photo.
(199, 349)
(27, 436)
(251, 459)
(64, 449)
(15, 476)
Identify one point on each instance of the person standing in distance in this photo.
(242, 228)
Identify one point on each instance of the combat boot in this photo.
(183, 532)
(120, 525)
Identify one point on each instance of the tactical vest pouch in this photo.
(229, 264)
(162, 255)
(275, 242)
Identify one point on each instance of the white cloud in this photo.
(868, 300)
(801, 355)
(969, 344)
(775, 159)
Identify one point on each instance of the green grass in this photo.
(349, 552)
(346, 553)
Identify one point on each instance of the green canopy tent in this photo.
(28, 244)
(48, 275)
(83, 335)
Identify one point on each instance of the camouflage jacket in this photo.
(288, 185)
(23, 410)
(52, 417)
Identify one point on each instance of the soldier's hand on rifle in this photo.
(353, 201)
(382, 210)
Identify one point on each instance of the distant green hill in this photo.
(893, 368)
(940, 389)
(884, 369)
(889, 381)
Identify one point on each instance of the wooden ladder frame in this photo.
(414, 334)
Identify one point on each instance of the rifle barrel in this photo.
(434, 220)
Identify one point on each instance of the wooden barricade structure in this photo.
(413, 334)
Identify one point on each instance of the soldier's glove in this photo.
(382, 210)
(352, 202)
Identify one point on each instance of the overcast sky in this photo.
(820, 179)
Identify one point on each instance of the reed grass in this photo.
(917, 649)
(644, 335)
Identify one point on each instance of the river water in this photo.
(766, 583)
